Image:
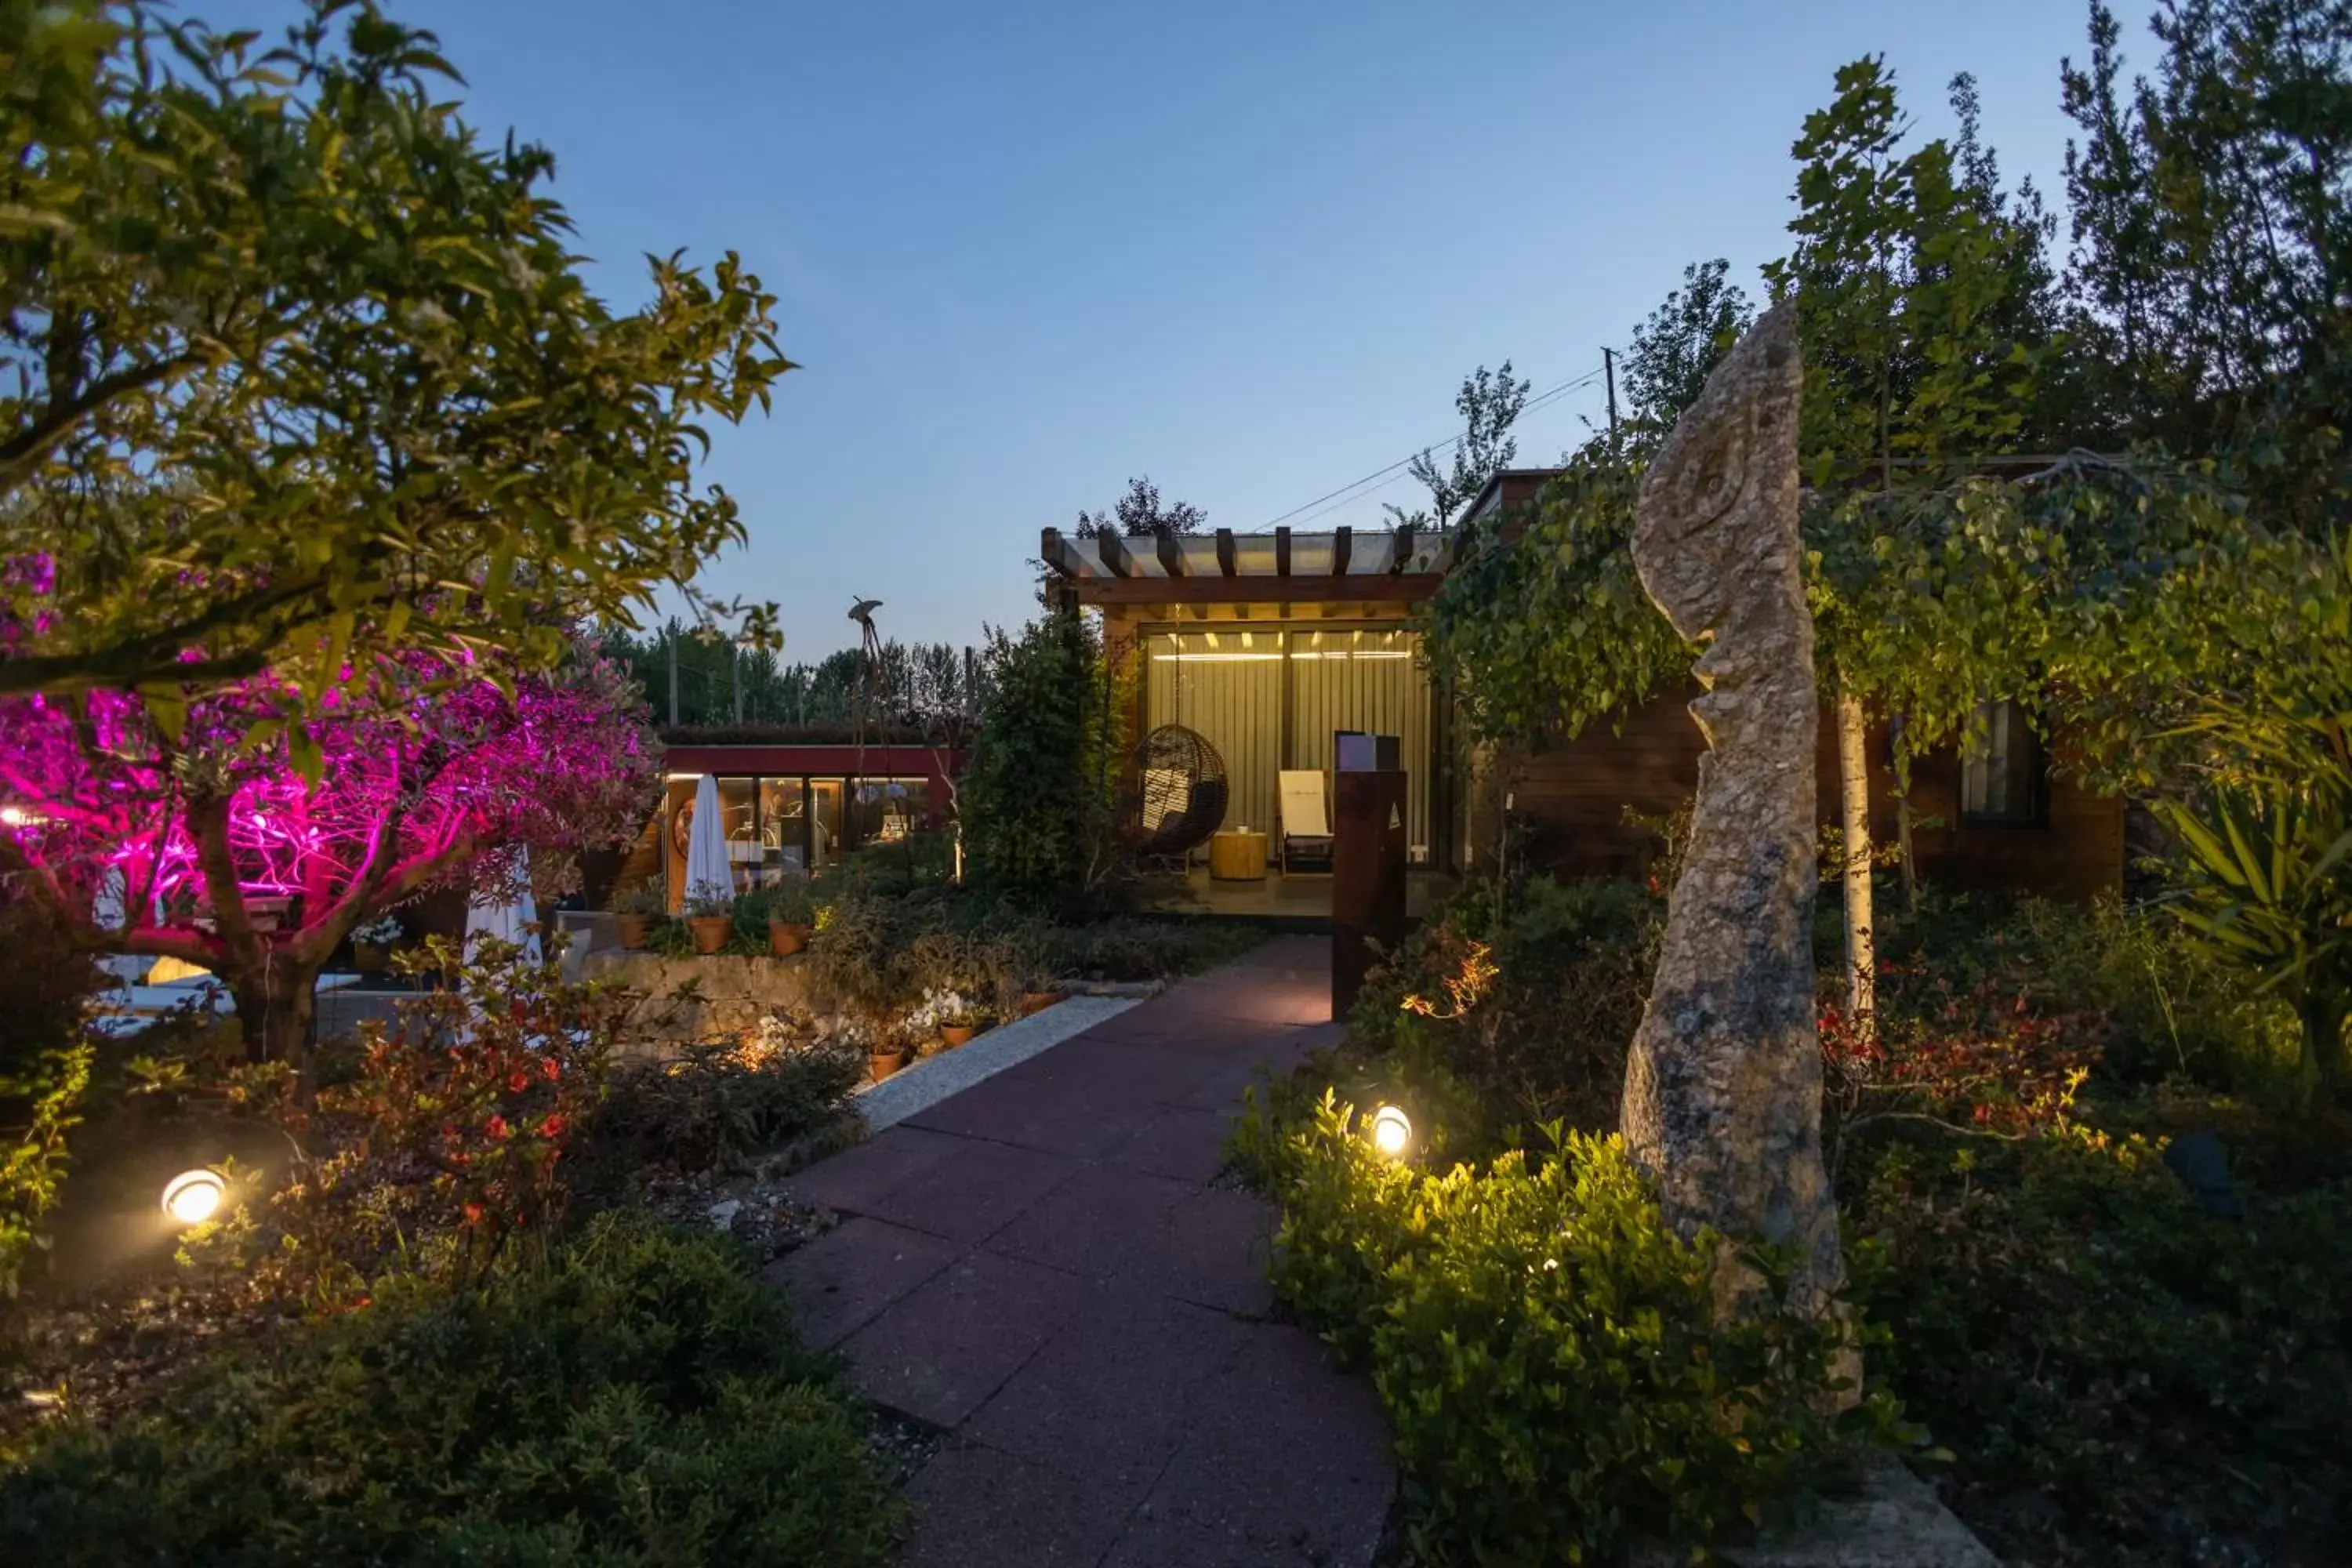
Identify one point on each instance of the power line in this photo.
(1344, 495)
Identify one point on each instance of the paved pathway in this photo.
(1040, 1267)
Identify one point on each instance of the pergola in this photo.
(1278, 574)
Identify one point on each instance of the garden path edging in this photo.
(920, 1086)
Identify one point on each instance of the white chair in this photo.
(1306, 823)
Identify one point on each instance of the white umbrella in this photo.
(506, 914)
(708, 873)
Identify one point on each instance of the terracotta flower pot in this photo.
(1037, 1001)
(633, 928)
(710, 931)
(785, 938)
(957, 1034)
(369, 959)
(880, 1065)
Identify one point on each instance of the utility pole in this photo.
(669, 635)
(735, 676)
(1609, 372)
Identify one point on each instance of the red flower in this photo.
(473, 1214)
(517, 1082)
(498, 1126)
(552, 1127)
(552, 1069)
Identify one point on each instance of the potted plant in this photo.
(946, 1013)
(884, 1053)
(712, 921)
(792, 916)
(371, 943)
(637, 906)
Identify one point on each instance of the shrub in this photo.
(2077, 1330)
(1039, 800)
(718, 1104)
(1544, 1036)
(642, 1400)
(1547, 1348)
(45, 1066)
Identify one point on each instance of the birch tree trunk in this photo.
(1854, 796)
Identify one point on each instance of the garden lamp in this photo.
(193, 1197)
(1391, 1131)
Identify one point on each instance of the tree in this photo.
(251, 837)
(1681, 342)
(2212, 243)
(291, 356)
(1039, 801)
(1914, 278)
(1489, 405)
(1139, 514)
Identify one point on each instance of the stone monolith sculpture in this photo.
(1722, 1092)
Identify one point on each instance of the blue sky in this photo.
(1025, 250)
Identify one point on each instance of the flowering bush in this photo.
(940, 1010)
(718, 1103)
(382, 932)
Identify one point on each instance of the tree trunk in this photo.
(275, 1009)
(1853, 793)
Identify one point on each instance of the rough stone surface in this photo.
(732, 993)
(1723, 1090)
(1895, 1521)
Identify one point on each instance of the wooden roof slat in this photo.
(1172, 554)
(1399, 588)
(1113, 551)
(1060, 555)
(1282, 553)
(1225, 551)
(1342, 541)
(1399, 548)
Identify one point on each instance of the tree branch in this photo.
(59, 420)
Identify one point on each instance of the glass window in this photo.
(739, 815)
(890, 810)
(2001, 769)
(825, 822)
(783, 827)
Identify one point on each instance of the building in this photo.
(1267, 644)
(791, 805)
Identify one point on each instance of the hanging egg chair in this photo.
(1184, 791)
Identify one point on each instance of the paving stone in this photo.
(1121, 1073)
(1055, 1114)
(974, 1190)
(1285, 1460)
(976, 1507)
(1178, 1142)
(1110, 1395)
(1211, 1251)
(864, 1174)
(940, 1351)
(1101, 1222)
(838, 1282)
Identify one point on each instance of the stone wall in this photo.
(730, 993)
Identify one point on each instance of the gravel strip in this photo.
(921, 1085)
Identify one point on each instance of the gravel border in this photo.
(921, 1085)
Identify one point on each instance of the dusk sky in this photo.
(1025, 251)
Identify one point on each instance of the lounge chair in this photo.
(1306, 821)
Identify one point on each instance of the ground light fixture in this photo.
(1391, 1131)
(193, 1197)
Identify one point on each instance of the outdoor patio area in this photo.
(1299, 902)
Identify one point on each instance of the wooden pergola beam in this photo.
(1282, 553)
(1172, 554)
(1113, 551)
(1404, 589)
(1060, 555)
(1342, 541)
(1399, 548)
(1225, 551)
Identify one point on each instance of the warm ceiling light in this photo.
(193, 1197)
(1391, 1131)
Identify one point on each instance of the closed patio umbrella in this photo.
(506, 914)
(708, 874)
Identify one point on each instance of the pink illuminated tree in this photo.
(251, 842)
